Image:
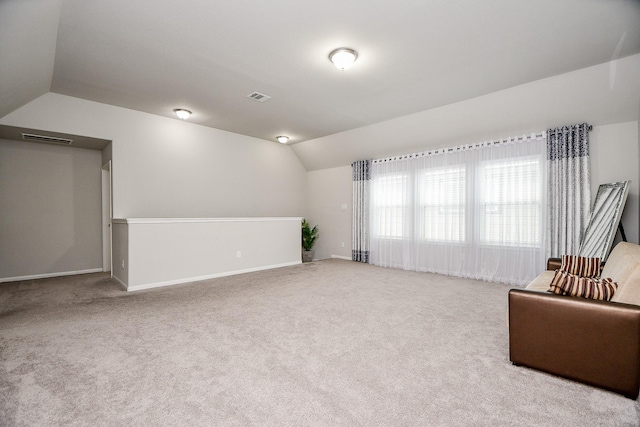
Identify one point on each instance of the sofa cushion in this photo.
(564, 283)
(629, 291)
(623, 260)
(622, 265)
(541, 283)
(580, 266)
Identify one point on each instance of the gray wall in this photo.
(329, 190)
(50, 210)
(27, 49)
(168, 168)
(603, 96)
(161, 168)
(614, 157)
(165, 167)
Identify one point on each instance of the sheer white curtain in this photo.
(475, 211)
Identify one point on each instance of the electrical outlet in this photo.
(122, 263)
(344, 207)
(342, 244)
(238, 254)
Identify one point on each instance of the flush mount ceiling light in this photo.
(343, 57)
(182, 113)
(282, 139)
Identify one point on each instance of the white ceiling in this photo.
(208, 55)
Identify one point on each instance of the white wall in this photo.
(164, 167)
(614, 157)
(120, 252)
(161, 252)
(107, 154)
(161, 168)
(330, 200)
(50, 210)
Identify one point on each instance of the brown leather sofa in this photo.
(594, 342)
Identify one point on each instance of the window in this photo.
(442, 204)
(389, 196)
(474, 211)
(510, 197)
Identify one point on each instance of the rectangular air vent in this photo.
(260, 97)
(46, 139)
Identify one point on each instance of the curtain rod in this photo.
(489, 143)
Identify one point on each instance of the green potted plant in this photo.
(309, 236)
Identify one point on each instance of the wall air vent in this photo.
(46, 139)
(260, 97)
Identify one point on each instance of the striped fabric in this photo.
(580, 266)
(564, 283)
(360, 219)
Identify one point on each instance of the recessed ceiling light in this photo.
(282, 139)
(343, 57)
(182, 113)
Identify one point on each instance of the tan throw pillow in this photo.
(558, 280)
(564, 283)
(580, 266)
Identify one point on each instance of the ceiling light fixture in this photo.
(282, 139)
(182, 113)
(343, 57)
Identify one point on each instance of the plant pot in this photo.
(307, 256)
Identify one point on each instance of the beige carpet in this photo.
(327, 343)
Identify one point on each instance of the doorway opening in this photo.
(107, 214)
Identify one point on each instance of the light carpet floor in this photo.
(333, 343)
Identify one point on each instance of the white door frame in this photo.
(107, 215)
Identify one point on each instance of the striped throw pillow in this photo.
(564, 283)
(580, 266)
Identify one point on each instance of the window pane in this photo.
(442, 203)
(510, 197)
(389, 202)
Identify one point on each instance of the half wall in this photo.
(153, 252)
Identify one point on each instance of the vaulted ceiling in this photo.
(207, 56)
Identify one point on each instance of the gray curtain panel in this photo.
(360, 226)
(568, 189)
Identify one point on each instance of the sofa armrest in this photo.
(594, 342)
(554, 263)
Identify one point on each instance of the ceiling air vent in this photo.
(260, 97)
(46, 139)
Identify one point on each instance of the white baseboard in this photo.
(49, 275)
(119, 282)
(341, 257)
(205, 277)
